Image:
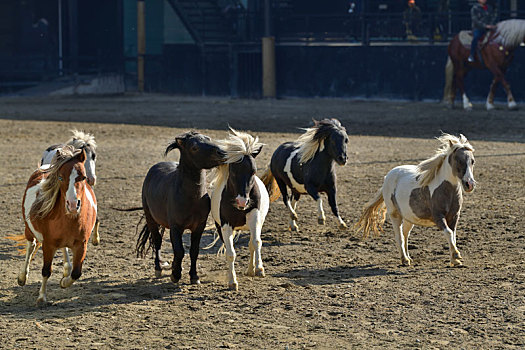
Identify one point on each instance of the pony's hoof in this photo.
(21, 280)
(490, 107)
(250, 272)
(294, 228)
(158, 273)
(195, 281)
(343, 226)
(456, 263)
(66, 282)
(42, 301)
(259, 272)
(95, 242)
(174, 279)
(321, 221)
(406, 262)
(233, 287)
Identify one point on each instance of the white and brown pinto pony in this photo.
(84, 141)
(427, 194)
(240, 201)
(59, 210)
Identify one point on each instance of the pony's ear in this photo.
(82, 156)
(462, 138)
(256, 151)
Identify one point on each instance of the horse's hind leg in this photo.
(96, 236)
(397, 222)
(67, 263)
(293, 204)
(48, 253)
(156, 240)
(79, 254)
(284, 192)
(24, 271)
(490, 98)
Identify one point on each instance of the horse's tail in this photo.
(373, 216)
(20, 243)
(271, 185)
(448, 91)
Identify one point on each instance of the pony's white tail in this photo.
(448, 91)
(373, 216)
(271, 185)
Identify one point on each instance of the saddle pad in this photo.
(465, 38)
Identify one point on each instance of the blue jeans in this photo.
(477, 34)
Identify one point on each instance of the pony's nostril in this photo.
(78, 203)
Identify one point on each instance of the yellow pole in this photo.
(268, 57)
(141, 44)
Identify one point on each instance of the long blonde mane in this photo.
(48, 194)
(81, 139)
(429, 168)
(238, 145)
(313, 139)
(511, 33)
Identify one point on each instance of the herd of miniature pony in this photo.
(59, 206)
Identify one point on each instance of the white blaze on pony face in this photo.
(72, 201)
(288, 170)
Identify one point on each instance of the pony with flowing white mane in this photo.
(427, 194)
(59, 209)
(496, 54)
(307, 166)
(83, 141)
(239, 200)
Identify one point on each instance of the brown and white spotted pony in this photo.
(428, 194)
(84, 141)
(240, 201)
(59, 209)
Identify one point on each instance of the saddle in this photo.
(465, 38)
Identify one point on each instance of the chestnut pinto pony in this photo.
(59, 210)
(84, 141)
(496, 54)
(427, 194)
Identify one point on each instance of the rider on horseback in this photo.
(483, 19)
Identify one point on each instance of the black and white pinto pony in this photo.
(240, 201)
(427, 194)
(174, 196)
(307, 166)
(83, 141)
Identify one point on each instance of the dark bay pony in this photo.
(59, 210)
(86, 142)
(427, 194)
(496, 54)
(174, 196)
(240, 201)
(307, 167)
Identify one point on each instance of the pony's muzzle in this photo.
(341, 160)
(73, 206)
(241, 202)
(469, 185)
(92, 180)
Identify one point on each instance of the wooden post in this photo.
(141, 44)
(268, 58)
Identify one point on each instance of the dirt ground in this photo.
(325, 288)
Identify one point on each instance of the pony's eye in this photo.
(82, 178)
(346, 140)
(94, 156)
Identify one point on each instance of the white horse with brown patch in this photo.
(428, 194)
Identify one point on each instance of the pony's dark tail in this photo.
(127, 209)
(448, 91)
(144, 242)
(271, 185)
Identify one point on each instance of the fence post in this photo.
(268, 54)
(141, 44)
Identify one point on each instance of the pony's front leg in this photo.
(407, 227)
(48, 253)
(67, 263)
(227, 237)
(96, 236)
(178, 253)
(333, 205)
(397, 222)
(312, 191)
(24, 271)
(194, 253)
(490, 98)
(255, 266)
(455, 256)
(79, 254)
(293, 223)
